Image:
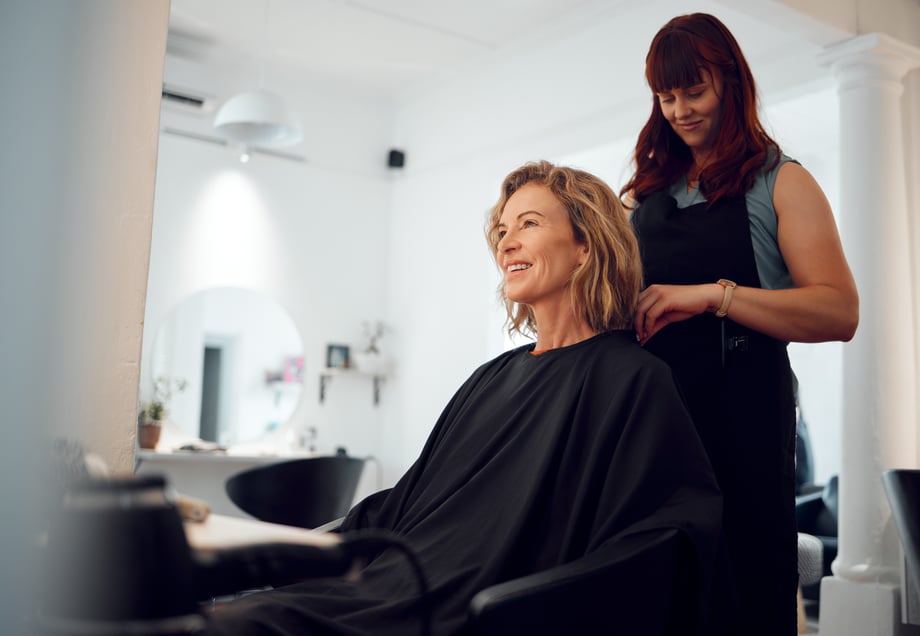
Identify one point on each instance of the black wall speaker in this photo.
(396, 159)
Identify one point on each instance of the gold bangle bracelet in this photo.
(728, 288)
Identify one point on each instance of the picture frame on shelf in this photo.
(338, 356)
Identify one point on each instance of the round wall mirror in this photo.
(239, 358)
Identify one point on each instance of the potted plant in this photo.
(151, 414)
(370, 359)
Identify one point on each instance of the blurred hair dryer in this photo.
(117, 561)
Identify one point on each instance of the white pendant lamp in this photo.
(257, 118)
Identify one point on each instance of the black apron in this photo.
(738, 387)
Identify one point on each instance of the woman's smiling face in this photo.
(695, 112)
(537, 250)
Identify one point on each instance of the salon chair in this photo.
(631, 587)
(816, 515)
(304, 492)
(902, 487)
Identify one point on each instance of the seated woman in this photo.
(555, 453)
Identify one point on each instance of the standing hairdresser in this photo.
(741, 256)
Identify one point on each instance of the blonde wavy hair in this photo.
(605, 289)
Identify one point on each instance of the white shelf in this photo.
(329, 372)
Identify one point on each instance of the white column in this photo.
(879, 368)
(79, 129)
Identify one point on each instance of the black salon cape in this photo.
(537, 461)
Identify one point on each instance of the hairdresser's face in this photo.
(695, 113)
(537, 250)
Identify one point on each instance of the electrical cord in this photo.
(370, 543)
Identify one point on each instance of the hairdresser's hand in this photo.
(661, 305)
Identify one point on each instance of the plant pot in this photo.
(148, 435)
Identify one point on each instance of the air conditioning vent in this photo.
(186, 100)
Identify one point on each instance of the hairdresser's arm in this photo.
(823, 305)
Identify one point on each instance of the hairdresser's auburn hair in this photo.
(605, 289)
(680, 52)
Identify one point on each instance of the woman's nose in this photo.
(507, 243)
(509, 246)
(682, 108)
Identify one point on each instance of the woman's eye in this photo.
(665, 99)
(501, 234)
(529, 223)
(695, 94)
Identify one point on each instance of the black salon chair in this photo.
(305, 492)
(816, 514)
(902, 487)
(632, 587)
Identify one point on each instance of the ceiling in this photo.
(381, 48)
(371, 47)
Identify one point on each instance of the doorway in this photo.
(216, 374)
(210, 394)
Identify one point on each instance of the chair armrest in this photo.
(807, 508)
(331, 526)
(647, 583)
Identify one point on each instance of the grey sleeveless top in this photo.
(762, 216)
